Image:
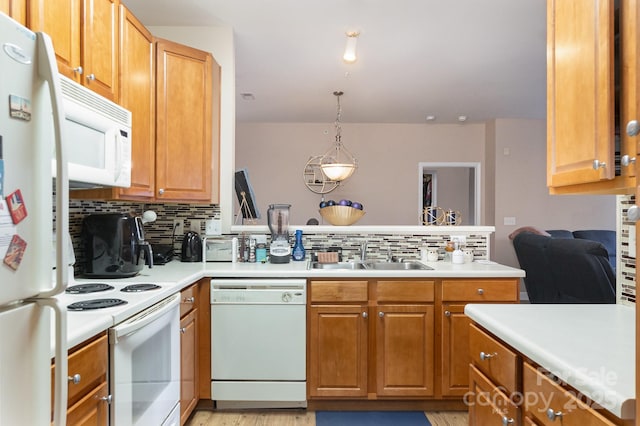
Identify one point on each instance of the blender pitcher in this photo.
(278, 221)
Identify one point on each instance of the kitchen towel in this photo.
(371, 418)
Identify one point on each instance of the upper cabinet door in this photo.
(183, 123)
(580, 91)
(17, 9)
(60, 19)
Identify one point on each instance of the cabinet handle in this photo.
(381, 314)
(506, 421)
(78, 70)
(485, 356)
(161, 191)
(480, 291)
(633, 128)
(597, 164)
(189, 299)
(447, 313)
(106, 399)
(91, 77)
(633, 213)
(365, 315)
(183, 330)
(75, 379)
(625, 160)
(553, 415)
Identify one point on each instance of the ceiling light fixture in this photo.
(338, 163)
(350, 50)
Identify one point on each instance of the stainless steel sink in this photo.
(337, 265)
(397, 266)
(377, 265)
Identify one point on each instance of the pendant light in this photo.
(338, 163)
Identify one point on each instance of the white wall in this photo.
(521, 191)
(386, 180)
(219, 42)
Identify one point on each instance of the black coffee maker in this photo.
(113, 244)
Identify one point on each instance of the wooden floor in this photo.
(298, 418)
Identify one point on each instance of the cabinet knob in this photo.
(633, 128)
(553, 415)
(381, 314)
(485, 356)
(183, 330)
(597, 164)
(75, 379)
(107, 399)
(91, 77)
(193, 299)
(365, 315)
(625, 160)
(78, 70)
(633, 213)
(480, 291)
(447, 313)
(161, 191)
(506, 421)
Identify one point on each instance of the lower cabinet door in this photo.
(92, 410)
(405, 350)
(455, 350)
(188, 365)
(488, 405)
(337, 351)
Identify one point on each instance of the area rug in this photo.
(371, 418)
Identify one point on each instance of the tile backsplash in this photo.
(626, 270)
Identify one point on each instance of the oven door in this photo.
(145, 365)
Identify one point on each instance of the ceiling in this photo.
(484, 59)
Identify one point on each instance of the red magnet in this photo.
(15, 252)
(16, 206)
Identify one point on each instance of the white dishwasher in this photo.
(258, 343)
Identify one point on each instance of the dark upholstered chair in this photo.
(604, 236)
(565, 270)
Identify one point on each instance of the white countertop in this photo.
(590, 347)
(177, 275)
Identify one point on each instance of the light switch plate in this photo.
(509, 220)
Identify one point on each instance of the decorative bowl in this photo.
(341, 215)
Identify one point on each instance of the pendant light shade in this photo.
(350, 49)
(338, 163)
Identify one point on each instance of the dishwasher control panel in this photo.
(258, 291)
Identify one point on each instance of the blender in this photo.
(278, 221)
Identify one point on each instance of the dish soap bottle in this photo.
(298, 249)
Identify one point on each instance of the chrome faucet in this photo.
(363, 251)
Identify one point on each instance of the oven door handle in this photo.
(144, 318)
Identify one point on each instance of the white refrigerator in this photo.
(30, 319)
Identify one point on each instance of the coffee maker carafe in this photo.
(278, 221)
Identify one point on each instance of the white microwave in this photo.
(97, 137)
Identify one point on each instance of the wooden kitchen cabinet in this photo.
(17, 9)
(337, 339)
(187, 124)
(189, 351)
(591, 95)
(85, 39)
(88, 393)
(371, 339)
(454, 325)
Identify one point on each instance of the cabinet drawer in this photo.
(545, 397)
(480, 290)
(490, 405)
(90, 362)
(338, 291)
(494, 359)
(188, 299)
(405, 291)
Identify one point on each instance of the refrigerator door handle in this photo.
(48, 71)
(60, 360)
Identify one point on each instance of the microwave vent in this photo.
(88, 98)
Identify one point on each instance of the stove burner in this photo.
(134, 288)
(85, 305)
(88, 288)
